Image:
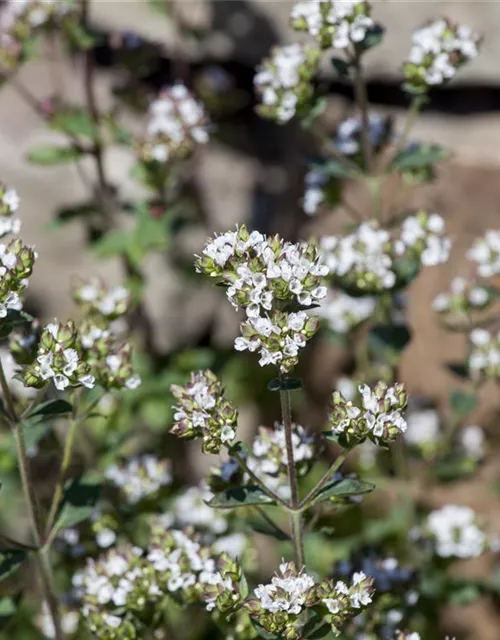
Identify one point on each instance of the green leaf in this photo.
(315, 111)
(285, 384)
(450, 469)
(337, 169)
(13, 319)
(406, 271)
(462, 403)
(464, 595)
(10, 561)
(341, 66)
(373, 38)
(70, 214)
(79, 36)
(268, 529)
(389, 341)
(53, 155)
(112, 244)
(246, 496)
(55, 407)
(74, 121)
(417, 157)
(7, 607)
(34, 430)
(319, 632)
(460, 369)
(79, 501)
(343, 489)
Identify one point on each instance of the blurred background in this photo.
(253, 171)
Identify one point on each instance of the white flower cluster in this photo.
(334, 23)
(379, 417)
(456, 532)
(193, 571)
(59, 360)
(95, 298)
(279, 604)
(9, 204)
(268, 458)
(438, 50)
(204, 412)
(486, 254)
(117, 579)
(369, 259)
(265, 276)
(472, 441)
(16, 265)
(403, 635)
(359, 594)
(314, 193)
(287, 591)
(347, 138)
(425, 234)
(462, 297)
(140, 477)
(33, 13)
(177, 123)
(190, 509)
(422, 428)
(484, 356)
(283, 81)
(343, 312)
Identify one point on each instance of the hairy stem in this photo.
(335, 466)
(295, 515)
(362, 100)
(63, 472)
(43, 562)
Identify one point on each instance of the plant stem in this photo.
(42, 559)
(295, 515)
(63, 472)
(362, 100)
(335, 466)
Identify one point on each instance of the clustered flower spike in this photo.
(177, 124)
(348, 135)
(455, 532)
(281, 607)
(204, 412)
(438, 51)
(140, 477)
(191, 572)
(283, 81)
(268, 456)
(343, 313)
(484, 356)
(463, 297)
(96, 299)
(108, 354)
(372, 260)
(269, 278)
(16, 266)
(59, 359)
(486, 254)
(334, 23)
(378, 416)
(22, 19)
(9, 204)
(190, 509)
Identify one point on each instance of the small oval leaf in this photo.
(246, 496)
